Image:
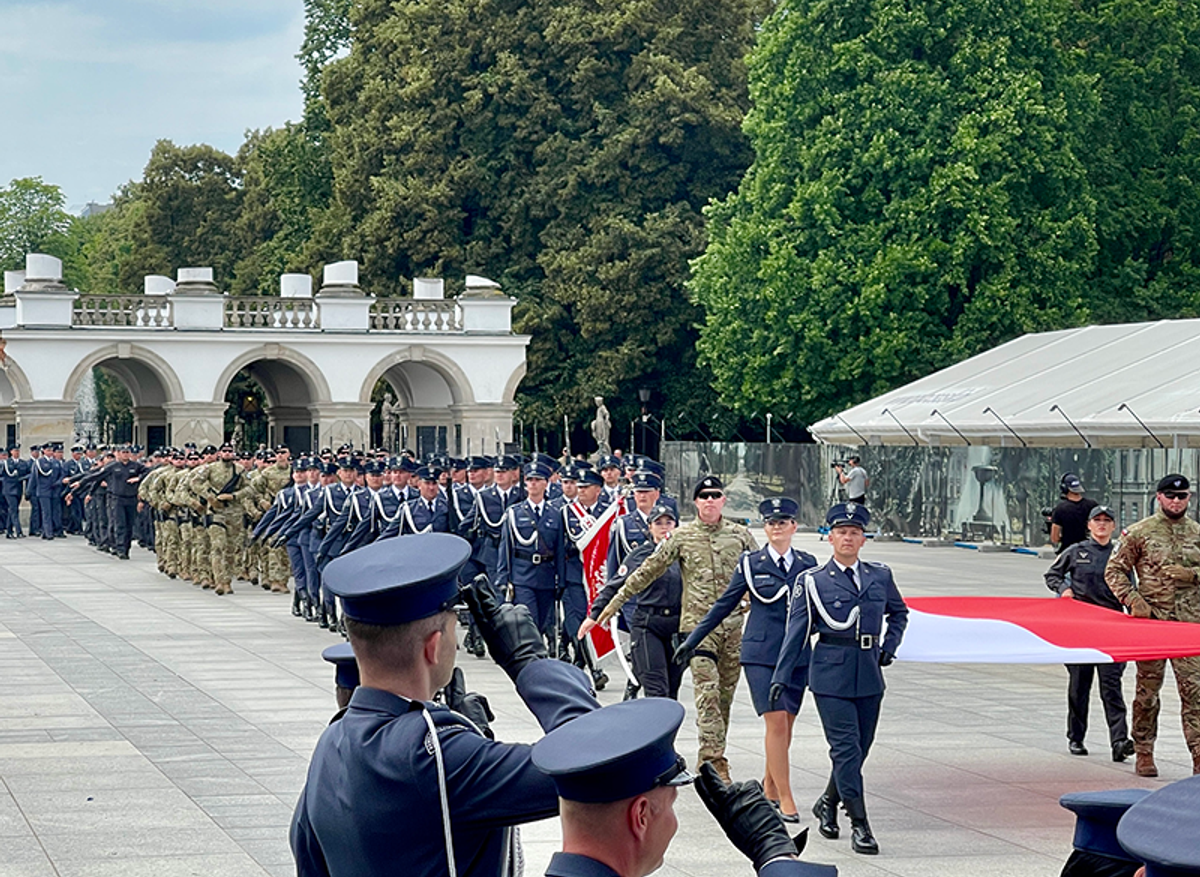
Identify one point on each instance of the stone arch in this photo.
(21, 388)
(128, 353)
(309, 371)
(461, 391)
(514, 381)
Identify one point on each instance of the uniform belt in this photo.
(862, 641)
(532, 556)
(662, 611)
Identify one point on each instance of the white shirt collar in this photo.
(775, 555)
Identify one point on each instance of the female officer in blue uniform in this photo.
(398, 784)
(845, 602)
(768, 574)
(533, 550)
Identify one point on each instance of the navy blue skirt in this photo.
(758, 677)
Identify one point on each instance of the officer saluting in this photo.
(618, 775)
(399, 783)
(845, 602)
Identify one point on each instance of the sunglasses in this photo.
(1176, 494)
(709, 494)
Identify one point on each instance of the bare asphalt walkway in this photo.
(149, 728)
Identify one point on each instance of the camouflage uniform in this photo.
(169, 526)
(708, 555)
(1150, 545)
(181, 502)
(211, 482)
(276, 565)
(147, 491)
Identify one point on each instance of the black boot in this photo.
(861, 839)
(631, 691)
(296, 610)
(826, 812)
(322, 619)
(583, 658)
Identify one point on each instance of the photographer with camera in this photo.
(854, 477)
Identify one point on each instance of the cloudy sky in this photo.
(88, 86)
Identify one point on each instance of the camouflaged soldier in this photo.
(275, 564)
(145, 493)
(167, 538)
(221, 485)
(1164, 551)
(708, 550)
(181, 500)
(196, 497)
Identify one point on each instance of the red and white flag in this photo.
(593, 550)
(1036, 630)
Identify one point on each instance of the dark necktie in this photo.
(850, 575)
(782, 565)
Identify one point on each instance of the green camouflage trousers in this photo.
(183, 562)
(167, 545)
(201, 562)
(714, 682)
(1146, 704)
(224, 543)
(279, 568)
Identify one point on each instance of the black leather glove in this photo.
(683, 654)
(775, 694)
(512, 638)
(886, 658)
(474, 706)
(747, 817)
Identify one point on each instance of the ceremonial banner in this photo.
(1036, 630)
(593, 550)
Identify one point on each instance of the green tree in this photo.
(1143, 155)
(564, 148)
(32, 220)
(916, 196)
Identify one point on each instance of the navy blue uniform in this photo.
(533, 559)
(486, 519)
(575, 593)
(352, 512)
(843, 666)
(762, 636)
(371, 805)
(13, 474)
(575, 865)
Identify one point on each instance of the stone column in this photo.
(43, 300)
(485, 309)
(202, 423)
(340, 422)
(341, 304)
(480, 424)
(42, 422)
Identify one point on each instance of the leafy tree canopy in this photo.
(32, 220)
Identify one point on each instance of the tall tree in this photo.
(32, 220)
(916, 196)
(565, 148)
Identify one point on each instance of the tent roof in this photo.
(1102, 378)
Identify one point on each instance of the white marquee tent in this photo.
(1132, 385)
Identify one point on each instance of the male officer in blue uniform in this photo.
(428, 512)
(72, 469)
(587, 505)
(533, 552)
(844, 602)
(46, 478)
(399, 784)
(618, 775)
(487, 516)
(384, 510)
(13, 474)
(768, 575)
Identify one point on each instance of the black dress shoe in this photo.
(1122, 749)
(861, 839)
(790, 818)
(826, 812)
(1077, 748)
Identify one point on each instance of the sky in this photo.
(88, 86)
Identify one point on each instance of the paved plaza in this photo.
(150, 729)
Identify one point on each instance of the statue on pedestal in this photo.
(602, 427)
(238, 439)
(389, 413)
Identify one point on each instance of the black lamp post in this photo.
(644, 421)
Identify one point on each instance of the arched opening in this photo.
(270, 403)
(8, 411)
(121, 400)
(414, 409)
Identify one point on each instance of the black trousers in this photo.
(124, 509)
(849, 724)
(653, 651)
(1079, 692)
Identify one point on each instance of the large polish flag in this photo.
(593, 551)
(1036, 630)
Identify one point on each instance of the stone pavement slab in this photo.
(151, 728)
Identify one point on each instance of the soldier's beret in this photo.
(208, 449)
(778, 508)
(708, 482)
(226, 447)
(615, 752)
(1174, 482)
(848, 514)
(1096, 818)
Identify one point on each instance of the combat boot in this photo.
(1145, 766)
(861, 839)
(826, 812)
(296, 610)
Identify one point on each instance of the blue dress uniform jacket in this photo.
(575, 865)
(837, 669)
(522, 538)
(770, 592)
(418, 518)
(486, 518)
(371, 804)
(383, 515)
(574, 528)
(353, 510)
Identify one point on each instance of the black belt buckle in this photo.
(535, 559)
(866, 641)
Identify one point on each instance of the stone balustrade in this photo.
(140, 311)
(410, 315)
(270, 312)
